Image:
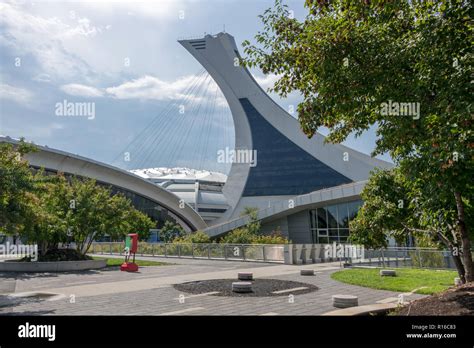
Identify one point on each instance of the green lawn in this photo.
(406, 280)
(117, 262)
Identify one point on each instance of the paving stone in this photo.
(161, 300)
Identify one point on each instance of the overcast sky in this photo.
(124, 57)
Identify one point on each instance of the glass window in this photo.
(342, 215)
(322, 219)
(331, 223)
(343, 232)
(283, 168)
(333, 232)
(312, 214)
(332, 216)
(354, 208)
(323, 240)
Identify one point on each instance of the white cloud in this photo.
(146, 87)
(45, 39)
(18, 95)
(81, 90)
(150, 87)
(42, 78)
(83, 28)
(267, 81)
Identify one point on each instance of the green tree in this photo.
(16, 186)
(238, 236)
(395, 206)
(94, 212)
(195, 237)
(52, 209)
(48, 206)
(170, 231)
(78, 210)
(253, 226)
(385, 212)
(351, 59)
(250, 233)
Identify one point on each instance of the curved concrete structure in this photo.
(60, 161)
(288, 163)
(300, 204)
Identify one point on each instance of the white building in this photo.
(201, 189)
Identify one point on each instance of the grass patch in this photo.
(113, 262)
(407, 279)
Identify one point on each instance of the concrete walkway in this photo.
(150, 291)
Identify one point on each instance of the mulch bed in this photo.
(260, 287)
(454, 301)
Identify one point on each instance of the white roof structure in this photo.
(201, 189)
(180, 173)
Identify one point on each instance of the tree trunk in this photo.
(460, 268)
(456, 258)
(465, 242)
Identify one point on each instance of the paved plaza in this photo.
(151, 292)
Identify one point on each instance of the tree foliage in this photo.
(195, 237)
(16, 185)
(396, 207)
(170, 231)
(349, 59)
(250, 233)
(52, 209)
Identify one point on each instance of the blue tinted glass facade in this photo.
(337, 218)
(283, 168)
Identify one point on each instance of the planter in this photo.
(54, 266)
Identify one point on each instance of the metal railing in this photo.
(286, 253)
(213, 251)
(407, 257)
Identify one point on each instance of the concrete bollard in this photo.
(242, 287)
(245, 276)
(388, 273)
(345, 301)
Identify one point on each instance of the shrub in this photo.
(244, 236)
(196, 237)
(238, 236)
(276, 237)
(170, 231)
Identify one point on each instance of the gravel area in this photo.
(260, 287)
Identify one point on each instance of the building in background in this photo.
(153, 200)
(201, 189)
(305, 188)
